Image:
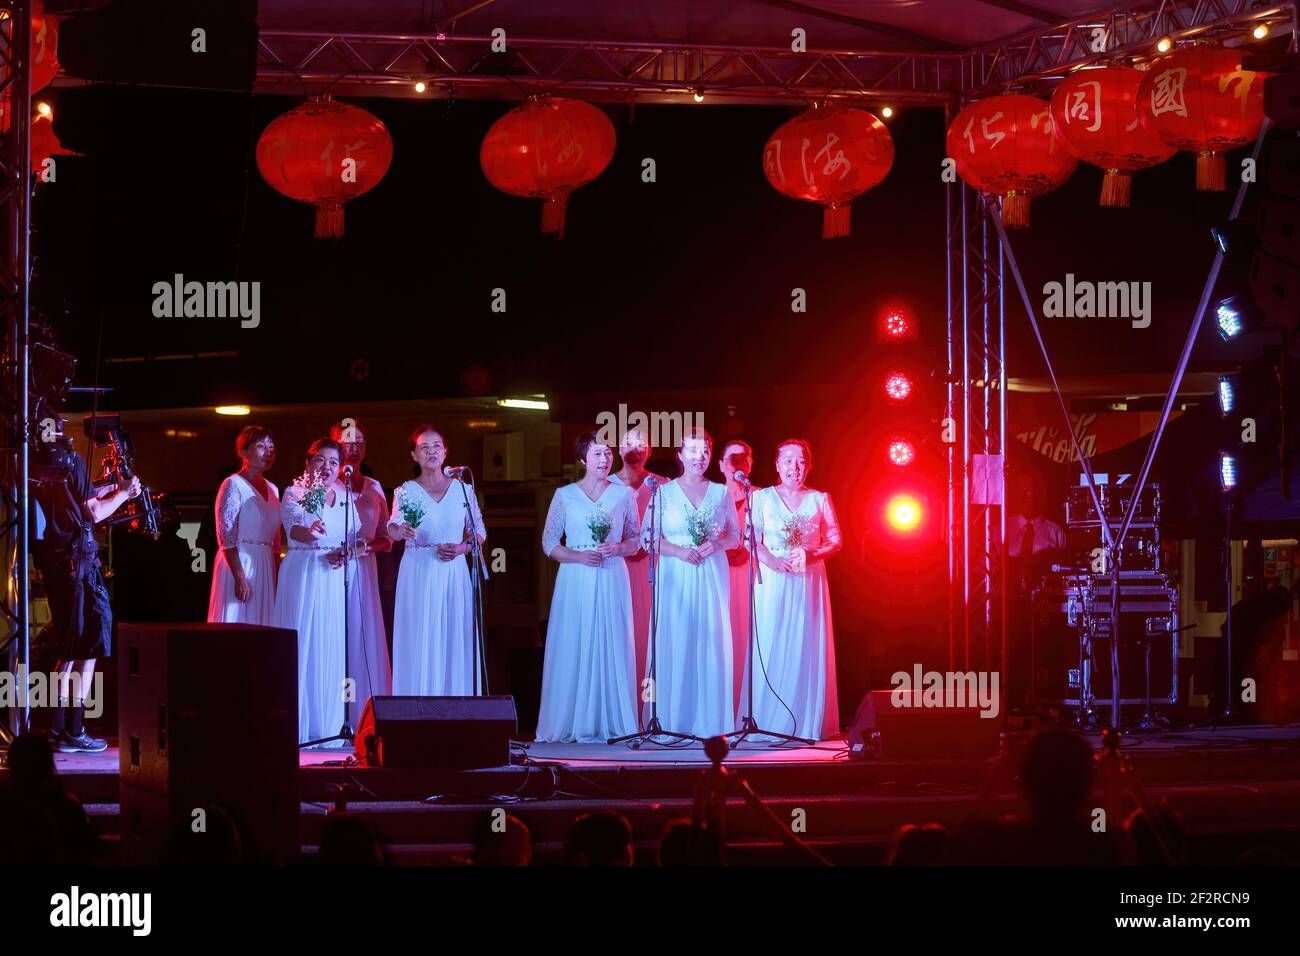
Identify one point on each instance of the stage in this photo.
(1232, 786)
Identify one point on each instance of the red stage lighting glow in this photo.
(901, 451)
(898, 385)
(897, 324)
(903, 513)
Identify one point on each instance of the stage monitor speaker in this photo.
(445, 733)
(156, 43)
(208, 715)
(883, 728)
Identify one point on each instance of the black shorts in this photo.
(80, 613)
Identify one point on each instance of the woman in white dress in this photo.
(588, 676)
(310, 594)
(433, 618)
(696, 524)
(797, 531)
(248, 535)
(738, 456)
(634, 450)
(367, 639)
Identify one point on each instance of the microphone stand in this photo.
(479, 568)
(653, 728)
(748, 725)
(345, 732)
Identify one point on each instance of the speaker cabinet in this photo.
(208, 714)
(446, 733)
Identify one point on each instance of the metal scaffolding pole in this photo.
(15, 196)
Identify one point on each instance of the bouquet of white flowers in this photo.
(310, 490)
(702, 525)
(411, 510)
(599, 523)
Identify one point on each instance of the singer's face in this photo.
(633, 448)
(354, 452)
(261, 454)
(325, 464)
(792, 466)
(599, 459)
(734, 460)
(430, 452)
(695, 456)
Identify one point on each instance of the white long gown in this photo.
(638, 577)
(250, 523)
(367, 638)
(693, 673)
(309, 599)
(433, 616)
(793, 616)
(588, 675)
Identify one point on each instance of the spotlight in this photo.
(233, 410)
(1260, 31)
(419, 86)
(698, 96)
(1227, 471)
(903, 513)
(44, 108)
(1227, 393)
(887, 112)
(1235, 315)
(901, 451)
(898, 386)
(1164, 44)
(896, 324)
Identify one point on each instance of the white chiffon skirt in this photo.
(310, 600)
(259, 568)
(588, 679)
(433, 626)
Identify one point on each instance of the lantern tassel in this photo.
(553, 214)
(1116, 188)
(835, 221)
(329, 222)
(1211, 172)
(1015, 210)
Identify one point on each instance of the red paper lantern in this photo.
(45, 46)
(1006, 146)
(545, 148)
(1095, 116)
(324, 152)
(1199, 99)
(829, 156)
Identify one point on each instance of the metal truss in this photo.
(976, 431)
(359, 63)
(15, 256)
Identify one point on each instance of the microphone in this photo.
(455, 471)
(651, 481)
(741, 478)
(347, 471)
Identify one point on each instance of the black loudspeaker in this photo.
(884, 727)
(208, 716)
(154, 42)
(446, 733)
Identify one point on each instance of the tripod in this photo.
(748, 725)
(478, 575)
(653, 727)
(345, 731)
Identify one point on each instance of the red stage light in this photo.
(903, 513)
(898, 385)
(897, 324)
(901, 451)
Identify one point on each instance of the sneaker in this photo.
(84, 744)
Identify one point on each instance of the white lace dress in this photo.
(309, 599)
(796, 641)
(433, 615)
(588, 677)
(249, 523)
(693, 672)
(367, 638)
